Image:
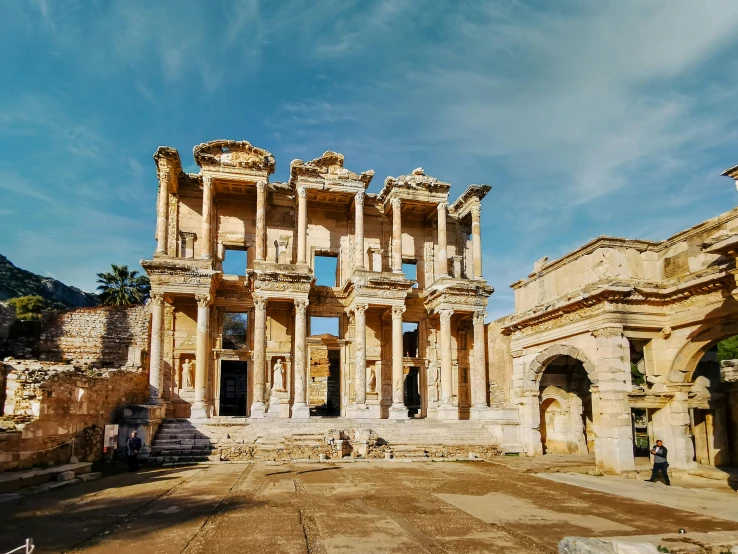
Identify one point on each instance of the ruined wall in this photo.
(48, 404)
(98, 336)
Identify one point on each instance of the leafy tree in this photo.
(234, 331)
(28, 308)
(636, 376)
(122, 287)
(728, 349)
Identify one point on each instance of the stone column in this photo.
(359, 231)
(442, 240)
(257, 407)
(446, 410)
(479, 368)
(611, 412)
(260, 220)
(156, 376)
(200, 408)
(396, 236)
(301, 225)
(206, 248)
(476, 212)
(398, 410)
(360, 348)
(162, 212)
(300, 409)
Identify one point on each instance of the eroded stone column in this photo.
(257, 406)
(446, 410)
(359, 231)
(200, 408)
(398, 410)
(442, 240)
(206, 248)
(476, 213)
(300, 409)
(156, 376)
(479, 373)
(260, 220)
(162, 212)
(301, 225)
(396, 236)
(360, 348)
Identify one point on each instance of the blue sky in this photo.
(587, 118)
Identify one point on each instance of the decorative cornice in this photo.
(234, 153)
(613, 331)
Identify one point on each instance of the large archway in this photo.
(566, 424)
(713, 414)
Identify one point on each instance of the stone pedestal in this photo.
(358, 411)
(145, 420)
(478, 412)
(373, 405)
(448, 412)
(279, 405)
(300, 411)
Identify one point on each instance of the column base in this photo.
(448, 412)
(358, 411)
(479, 412)
(398, 411)
(258, 410)
(300, 411)
(200, 410)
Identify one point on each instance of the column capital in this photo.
(359, 198)
(203, 300)
(397, 312)
(207, 180)
(445, 315)
(442, 206)
(479, 317)
(302, 192)
(360, 308)
(301, 306)
(260, 303)
(261, 186)
(396, 203)
(476, 210)
(157, 298)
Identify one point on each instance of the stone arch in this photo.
(549, 354)
(686, 360)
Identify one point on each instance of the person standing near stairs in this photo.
(133, 447)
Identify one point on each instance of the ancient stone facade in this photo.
(47, 404)
(281, 229)
(583, 322)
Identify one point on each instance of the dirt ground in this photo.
(336, 508)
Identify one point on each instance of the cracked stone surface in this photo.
(331, 508)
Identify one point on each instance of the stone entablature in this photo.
(282, 228)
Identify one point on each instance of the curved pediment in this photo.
(234, 153)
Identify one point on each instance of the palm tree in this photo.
(122, 287)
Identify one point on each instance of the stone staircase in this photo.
(179, 442)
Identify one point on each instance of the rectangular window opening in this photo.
(235, 331)
(410, 269)
(410, 339)
(324, 326)
(326, 270)
(235, 261)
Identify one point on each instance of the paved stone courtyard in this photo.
(349, 507)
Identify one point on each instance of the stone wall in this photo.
(48, 404)
(100, 336)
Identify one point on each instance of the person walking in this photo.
(659, 462)
(133, 447)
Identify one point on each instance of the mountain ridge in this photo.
(16, 281)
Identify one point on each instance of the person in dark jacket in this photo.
(133, 447)
(659, 462)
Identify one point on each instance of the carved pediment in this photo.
(234, 153)
(329, 170)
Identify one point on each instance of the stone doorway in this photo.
(233, 388)
(325, 382)
(566, 424)
(413, 400)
